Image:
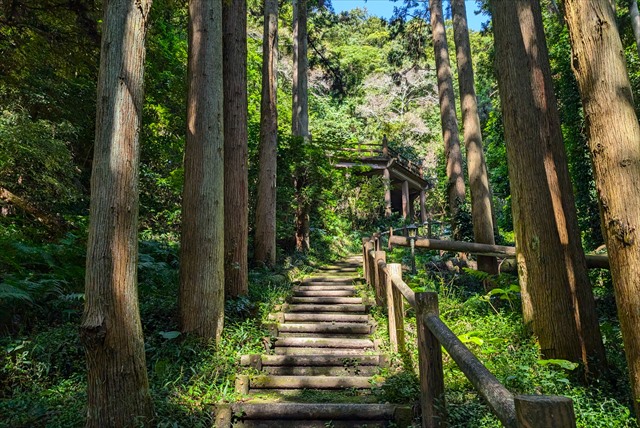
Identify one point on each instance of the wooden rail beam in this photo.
(430, 364)
(597, 261)
(497, 396)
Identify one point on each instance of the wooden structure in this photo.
(522, 411)
(404, 179)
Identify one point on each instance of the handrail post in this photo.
(430, 363)
(395, 309)
(379, 276)
(544, 411)
(371, 265)
(366, 247)
(385, 146)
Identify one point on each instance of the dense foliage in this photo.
(369, 78)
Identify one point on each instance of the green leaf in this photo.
(470, 338)
(568, 365)
(170, 334)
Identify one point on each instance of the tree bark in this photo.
(201, 299)
(599, 66)
(635, 22)
(118, 389)
(236, 180)
(551, 263)
(300, 112)
(455, 185)
(300, 118)
(481, 207)
(265, 238)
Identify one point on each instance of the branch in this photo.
(51, 221)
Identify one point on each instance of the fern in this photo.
(9, 292)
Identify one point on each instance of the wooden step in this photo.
(318, 342)
(326, 317)
(324, 293)
(356, 360)
(326, 335)
(325, 327)
(311, 411)
(322, 371)
(328, 300)
(324, 288)
(324, 423)
(342, 352)
(326, 308)
(302, 382)
(327, 280)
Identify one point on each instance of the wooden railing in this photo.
(522, 411)
(373, 150)
(399, 237)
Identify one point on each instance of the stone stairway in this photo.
(323, 350)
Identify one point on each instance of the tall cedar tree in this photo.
(118, 389)
(265, 237)
(557, 297)
(635, 22)
(236, 180)
(300, 119)
(201, 298)
(614, 143)
(481, 207)
(455, 185)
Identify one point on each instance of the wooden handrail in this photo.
(497, 396)
(514, 412)
(597, 261)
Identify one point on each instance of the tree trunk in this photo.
(481, 207)
(599, 66)
(635, 22)
(236, 180)
(265, 238)
(300, 112)
(455, 185)
(300, 117)
(551, 263)
(118, 389)
(201, 298)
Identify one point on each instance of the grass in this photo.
(493, 329)
(42, 369)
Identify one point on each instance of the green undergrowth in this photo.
(42, 363)
(490, 324)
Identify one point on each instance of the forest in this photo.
(175, 172)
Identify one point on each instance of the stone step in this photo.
(325, 327)
(302, 382)
(355, 360)
(322, 371)
(344, 352)
(324, 293)
(326, 317)
(318, 342)
(327, 308)
(324, 288)
(328, 300)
